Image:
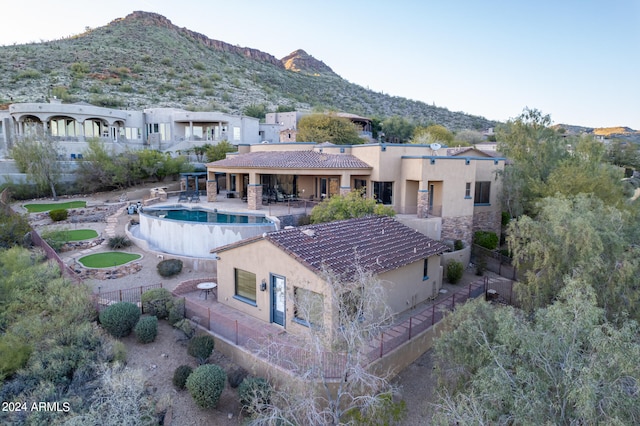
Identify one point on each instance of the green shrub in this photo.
(146, 329)
(158, 302)
(237, 376)
(120, 318)
(455, 270)
(201, 347)
(458, 245)
(169, 267)
(14, 355)
(486, 239)
(254, 394)
(186, 328)
(58, 215)
(180, 376)
(206, 384)
(505, 218)
(176, 313)
(119, 242)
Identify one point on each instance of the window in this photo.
(483, 191)
(467, 190)
(383, 192)
(245, 286)
(425, 270)
(308, 307)
(236, 133)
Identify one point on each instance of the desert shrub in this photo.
(176, 312)
(146, 329)
(186, 328)
(505, 218)
(254, 393)
(119, 352)
(55, 239)
(14, 354)
(201, 347)
(458, 245)
(169, 267)
(454, 271)
(486, 239)
(120, 318)
(206, 384)
(180, 376)
(237, 376)
(158, 302)
(119, 242)
(58, 215)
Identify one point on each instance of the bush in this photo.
(206, 384)
(237, 376)
(180, 376)
(176, 312)
(201, 347)
(185, 326)
(455, 270)
(158, 302)
(254, 393)
(169, 267)
(58, 215)
(505, 218)
(458, 245)
(486, 239)
(119, 242)
(14, 355)
(120, 318)
(146, 329)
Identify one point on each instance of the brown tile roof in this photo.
(376, 243)
(292, 160)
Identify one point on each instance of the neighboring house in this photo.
(446, 196)
(288, 122)
(165, 129)
(263, 276)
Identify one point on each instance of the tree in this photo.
(340, 327)
(535, 149)
(219, 151)
(96, 171)
(582, 238)
(432, 133)
(37, 156)
(258, 111)
(397, 130)
(352, 205)
(566, 365)
(624, 154)
(328, 128)
(468, 137)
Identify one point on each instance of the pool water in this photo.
(205, 216)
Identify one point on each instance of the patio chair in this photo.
(196, 197)
(182, 196)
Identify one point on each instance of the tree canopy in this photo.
(352, 205)
(37, 156)
(328, 128)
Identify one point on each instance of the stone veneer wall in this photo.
(458, 228)
(487, 221)
(423, 204)
(254, 197)
(212, 190)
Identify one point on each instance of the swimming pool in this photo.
(196, 231)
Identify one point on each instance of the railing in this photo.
(494, 261)
(131, 295)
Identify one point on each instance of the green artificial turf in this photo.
(39, 208)
(108, 259)
(78, 234)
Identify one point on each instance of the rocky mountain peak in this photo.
(301, 61)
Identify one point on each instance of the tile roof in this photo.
(376, 243)
(292, 160)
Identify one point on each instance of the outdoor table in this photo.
(206, 287)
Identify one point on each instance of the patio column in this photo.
(212, 190)
(254, 192)
(423, 203)
(345, 184)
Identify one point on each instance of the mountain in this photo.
(143, 60)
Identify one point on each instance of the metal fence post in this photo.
(410, 324)
(433, 313)
(453, 302)
(381, 343)
(236, 332)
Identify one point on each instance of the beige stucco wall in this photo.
(405, 286)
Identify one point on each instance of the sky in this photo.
(576, 60)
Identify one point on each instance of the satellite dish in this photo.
(435, 146)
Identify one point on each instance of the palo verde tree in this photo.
(565, 365)
(328, 128)
(37, 156)
(352, 205)
(582, 238)
(219, 151)
(333, 384)
(397, 130)
(431, 134)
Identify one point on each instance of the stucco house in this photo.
(445, 196)
(264, 276)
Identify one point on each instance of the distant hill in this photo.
(619, 132)
(143, 60)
